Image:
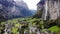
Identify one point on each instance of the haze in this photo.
(31, 3)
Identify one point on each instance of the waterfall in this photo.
(46, 8)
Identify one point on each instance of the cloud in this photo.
(31, 3)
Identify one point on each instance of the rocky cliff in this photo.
(50, 9)
(11, 9)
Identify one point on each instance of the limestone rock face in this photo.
(40, 8)
(22, 4)
(54, 9)
(5, 8)
(11, 9)
(51, 9)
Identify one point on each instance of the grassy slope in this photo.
(30, 20)
(55, 29)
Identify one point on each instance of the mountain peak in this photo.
(22, 4)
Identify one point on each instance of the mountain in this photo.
(33, 12)
(42, 2)
(40, 8)
(11, 9)
(22, 6)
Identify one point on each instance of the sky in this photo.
(32, 4)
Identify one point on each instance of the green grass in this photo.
(54, 29)
(33, 22)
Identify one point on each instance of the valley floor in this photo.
(27, 26)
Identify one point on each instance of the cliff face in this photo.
(51, 9)
(40, 8)
(22, 4)
(55, 9)
(5, 8)
(11, 9)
